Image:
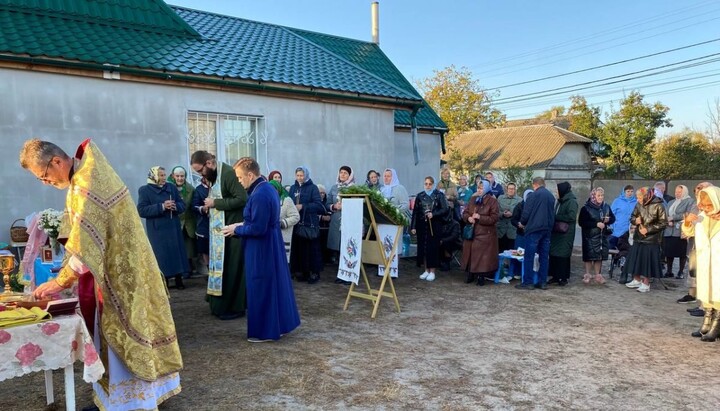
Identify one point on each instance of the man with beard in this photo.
(225, 202)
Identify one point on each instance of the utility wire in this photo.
(599, 34)
(513, 98)
(606, 65)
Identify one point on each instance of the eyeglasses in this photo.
(47, 167)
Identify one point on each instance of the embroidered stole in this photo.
(217, 240)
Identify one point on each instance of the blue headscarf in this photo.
(430, 190)
(386, 190)
(487, 189)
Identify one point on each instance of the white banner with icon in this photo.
(388, 233)
(351, 230)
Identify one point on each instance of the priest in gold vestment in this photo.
(122, 294)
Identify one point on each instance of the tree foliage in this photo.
(686, 155)
(628, 134)
(513, 172)
(460, 101)
(585, 120)
(552, 112)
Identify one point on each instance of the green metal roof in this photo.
(151, 36)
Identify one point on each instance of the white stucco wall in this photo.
(140, 125)
(410, 175)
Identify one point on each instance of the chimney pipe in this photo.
(375, 17)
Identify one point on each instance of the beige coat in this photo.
(289, 216)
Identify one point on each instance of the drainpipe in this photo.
(375, 22)
(413, 134)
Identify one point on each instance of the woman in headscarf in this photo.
(431, 208)
(649, 219)
(480, 255)
(275, 176)
(289, 215)
(595, 217)
(160, 204)
(305, 253)
(674, 245)
(706, 229)
(372, 180)
(447, 187)
(345, 178)
(178, 176)
(395, 193)
(561, 244)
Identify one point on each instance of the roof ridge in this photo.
(290, 30)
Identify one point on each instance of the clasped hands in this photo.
(473, 218)
(229, 230)
(169, 205)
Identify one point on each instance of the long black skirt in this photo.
(675, 247)
(305, 255)
(644, 260)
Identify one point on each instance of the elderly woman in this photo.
(674, 246)
(706, 230)
(595, 217)
(650, 220)
(431, 208)
(480, 255)
(187, 219)
(345, 178)
(160, 204)
(396, 194)
(447, 187)
(372, 180)
(289, 215)
(305, 253)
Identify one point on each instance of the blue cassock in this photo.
(271, 308)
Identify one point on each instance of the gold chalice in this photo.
(7, 264)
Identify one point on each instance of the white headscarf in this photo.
(676, 203)
(386, 190)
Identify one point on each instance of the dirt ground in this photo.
(453, 347)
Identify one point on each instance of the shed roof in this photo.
(524, 146)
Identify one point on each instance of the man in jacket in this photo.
(537, 220)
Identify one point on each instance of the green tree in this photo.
(628, 134)
(513, 172)
(584, 119)
(685, 155)
(460, 101)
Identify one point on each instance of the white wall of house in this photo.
(412, 176)
(138, 126)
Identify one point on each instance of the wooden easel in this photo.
(373, 253)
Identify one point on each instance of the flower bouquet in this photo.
(49, 221)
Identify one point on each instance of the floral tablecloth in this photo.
(48, 345)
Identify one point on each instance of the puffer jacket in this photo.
(653, 217)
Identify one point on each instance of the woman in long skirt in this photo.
(649, 220)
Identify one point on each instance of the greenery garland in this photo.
(380, 204)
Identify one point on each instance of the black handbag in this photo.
(468, 232)
(308, 231)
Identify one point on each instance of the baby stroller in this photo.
(619, 254)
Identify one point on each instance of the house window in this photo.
(229, 137)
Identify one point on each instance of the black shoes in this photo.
(314, 278)
(91, 408)
(669, 274)
(343, 282)
(562, 283)
(480, 281)
(542, 286)
(696, 312)
(554, 280)
(179, 282)
(686, 299)
(469, 278)
(231, 316)
(527, 287)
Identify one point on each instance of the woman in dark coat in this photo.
(594, 219)
(561, 244)
(160, 204)
(305, 253)
(650, 219)
(202, 224)
(480, 255)
(428, 219)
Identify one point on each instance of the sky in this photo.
(503, 43)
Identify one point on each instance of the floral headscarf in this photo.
(593, 196)
(350, 180)
(280, 189)
(153, 176)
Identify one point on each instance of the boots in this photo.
(705, 327)
(714, 328)
(469, 277)
(179, 282)
(480, 281)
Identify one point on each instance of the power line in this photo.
(600, 33)
(529, 96)
(606, 65)
(599, 50)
